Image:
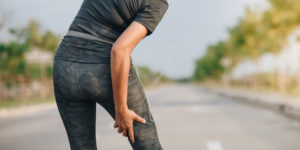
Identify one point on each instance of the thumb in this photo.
(140, 119)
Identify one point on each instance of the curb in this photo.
(287, 106)
(25, 110)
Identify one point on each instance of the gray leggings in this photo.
(79, 86)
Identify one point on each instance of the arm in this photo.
(120, 65)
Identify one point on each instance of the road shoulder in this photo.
(286, 105)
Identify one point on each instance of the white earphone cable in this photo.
(170, 53)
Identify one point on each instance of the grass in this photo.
(13, 103)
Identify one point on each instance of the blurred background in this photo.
(229, 75)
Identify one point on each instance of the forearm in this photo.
(120, 65)
(120, 62)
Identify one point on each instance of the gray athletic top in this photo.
(105, 20)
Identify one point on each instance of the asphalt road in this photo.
(187, 117)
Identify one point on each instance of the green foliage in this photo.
(13, 64)
(33, 36)
(254, 35)
(245, 37)
(33, 71)
(49, 41)
(210, 66)
(49, 70)
(147, 76)
(12, 61)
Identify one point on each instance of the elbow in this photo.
(166, 5)
(119, 51)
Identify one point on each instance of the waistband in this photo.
(87, 36)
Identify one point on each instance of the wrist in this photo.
(120, 109)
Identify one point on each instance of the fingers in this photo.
(120, 129)
(125, 132)
(115, 125)
(140, 119)
(131, 134)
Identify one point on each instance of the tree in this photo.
(12, 62)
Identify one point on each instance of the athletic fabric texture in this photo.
(78, 87)
(81, 70)
(107, 19)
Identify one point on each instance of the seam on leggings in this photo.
(91, 117)
(139, 83)
(144, 104)
(77, 80)
(144, 95)
(140, 87)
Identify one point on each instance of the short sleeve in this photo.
(151, 13)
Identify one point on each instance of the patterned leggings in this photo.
(78, 87)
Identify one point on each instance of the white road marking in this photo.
(196, 109)
(214, 145)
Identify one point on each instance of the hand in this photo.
(124, 120)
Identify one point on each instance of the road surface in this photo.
(187, 116)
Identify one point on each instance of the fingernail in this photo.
(144, 121)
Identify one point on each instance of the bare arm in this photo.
(120, 65)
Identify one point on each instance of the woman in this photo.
(93, 65)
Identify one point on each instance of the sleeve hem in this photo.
(149, 29)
